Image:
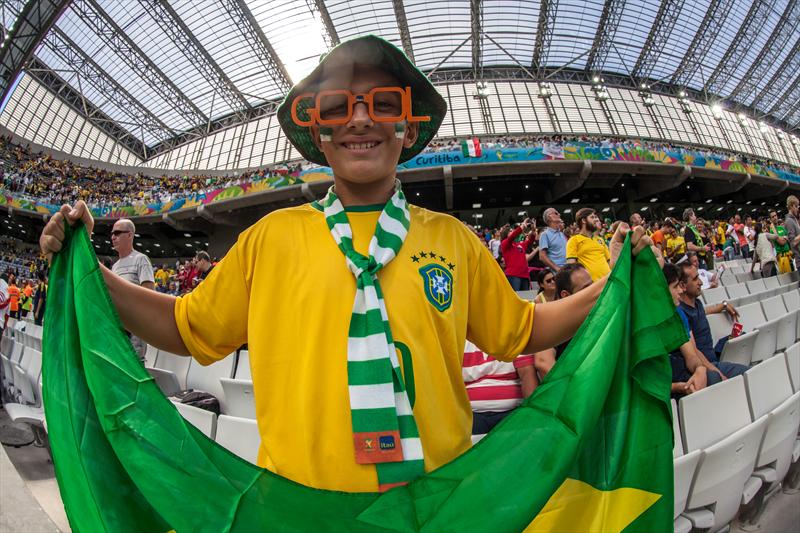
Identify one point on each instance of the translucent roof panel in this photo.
(573, 33)
(512, 25)
(437, 29)
(361, 17)
(217, 64)
(230, 47)
(140, 25)
(294, 31)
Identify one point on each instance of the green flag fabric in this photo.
(590, 450)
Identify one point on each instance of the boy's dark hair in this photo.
(673, 273)
(564, 278)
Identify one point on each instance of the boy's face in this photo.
(676, 290)
(363, 151)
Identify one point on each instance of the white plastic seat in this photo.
(205, 421)
(715, 295)
(150, 356)
(773, 306)
(177, 364)
(736, 268)
(720, 325)
(239, 398)
(243, 365)
(785, 279)
(793, 364)
(772, 282)
(791, 299)
(745, 277)
(166, 380)
(740, 350)
(207, 378)
(737, 291)
(752, 318)
(27, 414)
(756, 286)
(239, 435)
(787, 330)
(684, 468)
(26, 376)
(716, 420)
(769, 393)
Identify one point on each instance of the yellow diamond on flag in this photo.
(577, 506)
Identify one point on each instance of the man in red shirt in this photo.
(514, 255)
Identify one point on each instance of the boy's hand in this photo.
(52, 235)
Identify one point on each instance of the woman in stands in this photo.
(362, 110)
(547, 286)
(765, 250)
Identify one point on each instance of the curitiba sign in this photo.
(543, 152)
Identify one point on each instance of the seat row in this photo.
(752, 288)
(770, 325)
(735, 442)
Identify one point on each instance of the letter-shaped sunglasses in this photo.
(335, 107)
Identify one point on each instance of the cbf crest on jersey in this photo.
(438, 283)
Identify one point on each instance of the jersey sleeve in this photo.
(499, 322)
(572, 248)
(212, 319)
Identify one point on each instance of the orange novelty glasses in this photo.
(335, 107)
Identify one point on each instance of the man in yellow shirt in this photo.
(583, 248)
(438, 285)
(675, 246)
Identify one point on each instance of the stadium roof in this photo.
(156, 73)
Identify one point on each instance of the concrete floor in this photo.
(20, 513)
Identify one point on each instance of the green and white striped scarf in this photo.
(384, 430)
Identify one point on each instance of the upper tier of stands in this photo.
(38, 182)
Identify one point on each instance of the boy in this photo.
(359, 388)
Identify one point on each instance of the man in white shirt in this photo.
(707, 277)
(133, 266)
(4, 301)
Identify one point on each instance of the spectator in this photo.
(4, 301)
(495, 388)
(494, 245)
(583, 248)
(635, 220)
(792, 225)
(694, 239)
(765, 251)
(132, 266)
(547, 286)
(707, 277)
(40, 299)
(689, 374)
(553, 242)
(514, 255)
(203, 262)
(13, 297)
(675, 245)
(701, 331)
(740, 234)
(659, 241)
(571, 279)
(26, 300)
(783, 251)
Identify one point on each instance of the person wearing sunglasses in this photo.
(370, 352)
(132, 266)
(547, 286)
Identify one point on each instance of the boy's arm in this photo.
(137, 305)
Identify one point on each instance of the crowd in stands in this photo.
(560, 259)
(40, 177)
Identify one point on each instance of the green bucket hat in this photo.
(371, 51)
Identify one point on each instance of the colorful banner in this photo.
(543, 152)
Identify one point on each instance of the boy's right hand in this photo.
(53, 233)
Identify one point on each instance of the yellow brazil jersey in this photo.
(284, 288)
(676, 246)
(593, 255)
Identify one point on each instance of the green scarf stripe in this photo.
(368, 372)
(366, 419)
(387, 240)
(367, 324)
(398, 472)
(372, 361)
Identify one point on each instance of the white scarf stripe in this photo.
(371, 396)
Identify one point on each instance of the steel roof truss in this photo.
(548, 10)
(402, 26)
(778, 39)
(604, 38)
(710, 29)
(318, 6)
(169, 21)
(663, 24)
(91, 73)
(241, 15)
(31, 25)
(115, 38)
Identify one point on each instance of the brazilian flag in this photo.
(590, 450)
